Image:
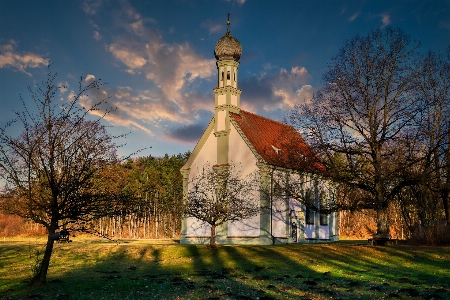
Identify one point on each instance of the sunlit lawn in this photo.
(96, 269)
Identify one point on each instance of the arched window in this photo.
(222, 76)
(228, 74)
(234, 76)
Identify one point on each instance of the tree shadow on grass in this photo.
(238, 272)
(386, 271)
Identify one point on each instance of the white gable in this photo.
(245, 161)
(240, 154)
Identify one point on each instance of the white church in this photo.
(273, 149)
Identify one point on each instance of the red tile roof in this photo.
(276, 143)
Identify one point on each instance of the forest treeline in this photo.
(148, 199)
(152, 193)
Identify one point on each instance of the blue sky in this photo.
(157, 57)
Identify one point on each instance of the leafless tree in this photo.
(53, 168)
(364, 109)
(221, 194)
(433, 90)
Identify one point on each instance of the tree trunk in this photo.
(212, 241)
(382, 213)
(446, 202)
(382, 223)
(40, 277)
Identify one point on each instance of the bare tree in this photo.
(433, 90)
(220, 194)
(364, 109)
(53, 168)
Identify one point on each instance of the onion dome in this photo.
(228, 47)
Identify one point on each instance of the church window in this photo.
(323, 219)
(309, 216)
(234, 76)
(323, 205)
(228, 74)
(222, 76)
(309, 213)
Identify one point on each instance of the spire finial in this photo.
(228, 23)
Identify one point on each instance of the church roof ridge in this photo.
(266, 118)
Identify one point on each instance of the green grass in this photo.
(93, 269)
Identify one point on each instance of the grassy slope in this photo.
(92, 269)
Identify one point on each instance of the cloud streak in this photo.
(90, 7)
(385, 19)
(354, 16)
(9, 58)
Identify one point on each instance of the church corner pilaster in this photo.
(185, 173)
(265, 201)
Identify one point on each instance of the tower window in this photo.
(234, 76)
(228, 74)
(222, 76)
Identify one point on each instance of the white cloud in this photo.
(354, 16)
(92, 23)
(118, 114)
(63, 86)
(89, 78)
(97, 36)
(128, 56)
(9, 58)
(213, 26)
(305, 94)
(171, 67)
(239, 2)
(91, 6)
(277, 91)
(385, 19)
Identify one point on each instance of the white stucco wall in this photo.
(278, 217)
(243, 158)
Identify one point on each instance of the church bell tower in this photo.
(228, 50)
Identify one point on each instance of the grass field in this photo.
(99, 269)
